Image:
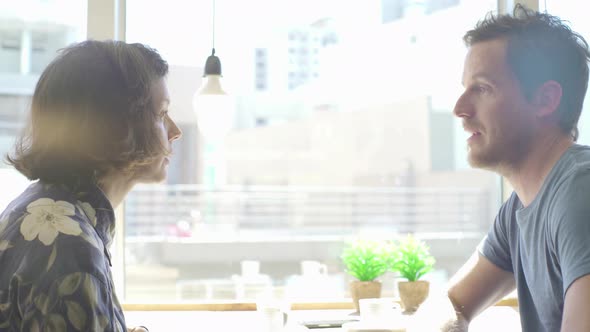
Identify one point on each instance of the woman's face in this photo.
(157, 170)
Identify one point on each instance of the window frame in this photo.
(106, 19)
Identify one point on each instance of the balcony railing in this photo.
(179, 210)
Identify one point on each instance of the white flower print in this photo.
(47, 218)
(3, 224)
(89, 211)
(4, 244)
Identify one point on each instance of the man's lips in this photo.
(473, 137)
(472, 129)
(473, 133)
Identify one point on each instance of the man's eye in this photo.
(482, 88)
(479, 89)
(163, 114)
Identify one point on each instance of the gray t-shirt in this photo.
(547, 244)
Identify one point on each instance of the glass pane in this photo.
(340, 127)
(570, 10)
(31, 32)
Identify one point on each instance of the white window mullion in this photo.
(506, 6)
(26, 47)
(106, 20)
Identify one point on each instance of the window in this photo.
(261, 68)
(27, 44)
(355, 152)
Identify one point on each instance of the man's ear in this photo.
(547, 98)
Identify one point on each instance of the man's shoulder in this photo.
(570, 175)
(575, 165)
(574, 178)
(568, 193)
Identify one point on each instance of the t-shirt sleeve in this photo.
(571, 228)
(496, 246)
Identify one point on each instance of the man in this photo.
(525, 78)
(99, 124)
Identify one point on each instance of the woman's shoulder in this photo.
(46, 233)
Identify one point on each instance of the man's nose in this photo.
(463, 109)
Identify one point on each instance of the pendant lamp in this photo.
(213, 106)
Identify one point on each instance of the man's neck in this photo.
(528, 176)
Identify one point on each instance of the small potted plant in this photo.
(366, 261)
(412, 261)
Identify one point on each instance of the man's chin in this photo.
(477, 160)
(483, 161)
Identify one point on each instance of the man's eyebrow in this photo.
(484, 77)
(480, 77)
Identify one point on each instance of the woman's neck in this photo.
(116, 187)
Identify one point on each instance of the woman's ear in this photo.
(547, 98)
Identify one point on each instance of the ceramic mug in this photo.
(272, 315)
(250, 268)
(377, 309)
(313, 268)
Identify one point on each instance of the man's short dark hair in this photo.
(541, 47)
(92, 112)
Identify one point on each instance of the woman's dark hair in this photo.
(91, 113)
(541, 47)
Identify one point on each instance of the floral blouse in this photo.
(54, 261)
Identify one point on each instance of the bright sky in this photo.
(71, 12)
(181, 30)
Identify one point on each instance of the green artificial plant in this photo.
(366, 260)
(412, 258)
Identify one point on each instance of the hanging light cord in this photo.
(213, 36)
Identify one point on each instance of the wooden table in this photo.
(500, 318)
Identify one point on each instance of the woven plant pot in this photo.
(364, 290)
(413, 293)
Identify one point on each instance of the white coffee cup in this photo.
(250, 268)
(377, 309)
(313, 268)
(272, 316)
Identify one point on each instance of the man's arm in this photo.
(575, 308)
(478, 285)
(137, 329)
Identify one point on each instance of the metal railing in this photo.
(177, 210)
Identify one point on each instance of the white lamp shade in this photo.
(211, 85)
(215, 115)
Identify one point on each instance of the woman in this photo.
(99, 124)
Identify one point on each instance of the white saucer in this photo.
(368, 327)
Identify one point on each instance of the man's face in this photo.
(494, 110)
(157, 170)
